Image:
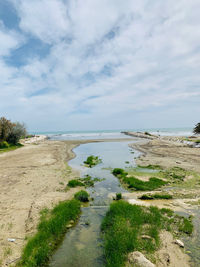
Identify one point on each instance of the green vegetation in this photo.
(128, 228)
(87, 181)
(82, 196)
(92, 161)
(10, 148)
(75, 183)
(196, 129)
(155, 196)
(51, 228)
(134, 183)
(151, 167)
(11, 132)
(118, 196)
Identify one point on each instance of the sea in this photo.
(113, 134)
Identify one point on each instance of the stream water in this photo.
(82, 245)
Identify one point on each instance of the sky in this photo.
(100, 64)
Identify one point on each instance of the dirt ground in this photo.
(168, 154)
(31, 178)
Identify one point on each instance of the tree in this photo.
(196, 129)
(5, 128)
(18, 131)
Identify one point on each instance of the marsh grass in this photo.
(137, 184)
(125, 225)
(50, 232)
(155, 196)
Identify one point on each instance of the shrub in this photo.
(155, 196)
(4, 144)
(196, 129)
(74, 183)
(5, 128)
(92, 161)
(118, 196)
(82, 196)
(119, 172)
(18, 131)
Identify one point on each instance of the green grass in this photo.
(92, 161)
(125, 224)
(151, 167)
(74, 183)
(10, 148)
(82, 196)
(155, 196)
(87, 181)
(51, 229)
(137, 184)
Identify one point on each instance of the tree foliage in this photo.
(11, 132)
(196, 129)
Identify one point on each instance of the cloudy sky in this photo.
(100, 64)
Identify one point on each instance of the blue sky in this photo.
(100, 64)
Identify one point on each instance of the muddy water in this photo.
(82, 245)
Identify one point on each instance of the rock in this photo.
(69, 226)
(180, 243)
(138, 259)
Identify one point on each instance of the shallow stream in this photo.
(82, 245)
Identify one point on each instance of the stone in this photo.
(180, 243)
(138, 259)
(146, 237)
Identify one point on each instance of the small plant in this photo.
(155, 196)
(119, 172)
(82, 196)
(118, 196)
(74, 183)
(4, 144)
(92, 161)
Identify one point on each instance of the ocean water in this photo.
(110, 134)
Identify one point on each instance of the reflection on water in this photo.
(82, 245)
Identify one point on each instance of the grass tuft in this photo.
(51, 228)
(125, 225)
(155, 196)
(82, 196)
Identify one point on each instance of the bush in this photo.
(119, 172)
(4, 144)
(18, 131)
(196, 129)
(155, 196)
(82, 196)
(118, 196)
(92, 161)
(5, 128)
(74, 183)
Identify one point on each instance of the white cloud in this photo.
(150, 51)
